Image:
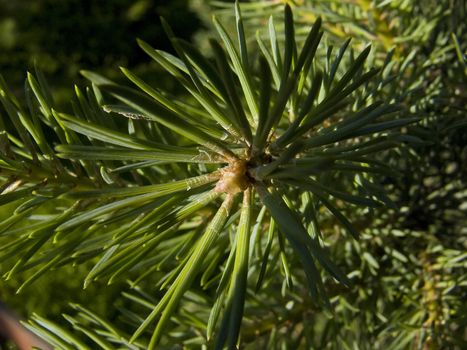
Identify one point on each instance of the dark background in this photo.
(62, 37)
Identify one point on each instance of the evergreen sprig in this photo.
(141, 182)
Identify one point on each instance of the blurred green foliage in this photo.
(63, 37)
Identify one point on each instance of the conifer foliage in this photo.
(248, 211)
